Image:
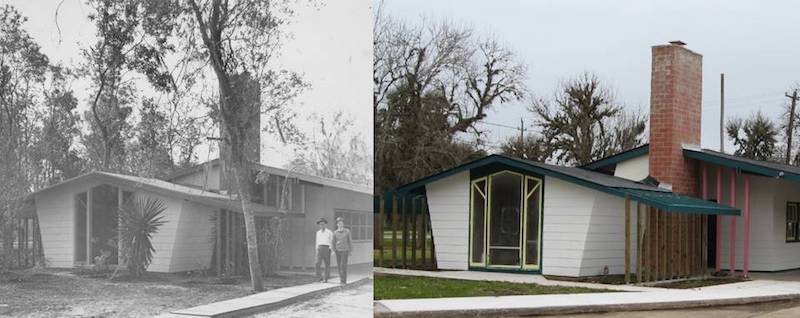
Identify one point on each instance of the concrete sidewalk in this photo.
(268, 300)
(650, 299)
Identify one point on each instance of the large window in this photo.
(792, 218)
(359, 223)
(270, 191)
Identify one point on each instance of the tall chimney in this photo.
(676, 85)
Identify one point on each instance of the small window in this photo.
(792, 218)
(359, 223)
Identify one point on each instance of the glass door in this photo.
(505, 221)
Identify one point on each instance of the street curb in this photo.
(289, 301)
(569, 310)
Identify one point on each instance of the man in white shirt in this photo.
(324, 243)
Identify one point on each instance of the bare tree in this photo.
(584, 122)
(433, 81)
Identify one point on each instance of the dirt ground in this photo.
(349, 303)
(60, 293)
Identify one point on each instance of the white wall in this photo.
(194, 243)
(769, 250)
(634, 169)
(209, 177)
(584, 231)
(448, 203)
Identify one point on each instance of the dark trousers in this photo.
(324, 255)
(341, 264)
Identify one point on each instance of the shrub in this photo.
(139, 220)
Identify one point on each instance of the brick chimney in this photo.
(676, 85)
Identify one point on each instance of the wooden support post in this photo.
(382, 221)
(627, 239)
(732, 239)
(433, 240)
(746, 237)
(654, 250)
(424, 235)
(703, 238)
(639, 243)
(395, 213)
(89, 227)
(718, 218)
(414, 233)
(404, 229)
(219, 242)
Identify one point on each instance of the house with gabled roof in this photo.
(668, 209)
(204, 225)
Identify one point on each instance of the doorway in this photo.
(505, 221)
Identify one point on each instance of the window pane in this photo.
(532, 227)
(478, 217)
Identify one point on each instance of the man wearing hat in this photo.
(324, 243)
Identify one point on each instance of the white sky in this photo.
(753, 42)
(331, 46)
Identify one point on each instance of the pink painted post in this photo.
(718, 250)
(746, 265)
(732, 239)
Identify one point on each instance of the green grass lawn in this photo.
(406, 287)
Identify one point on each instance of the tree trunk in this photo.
(243, 187)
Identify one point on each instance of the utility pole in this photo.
(722, 112)
(790, 129)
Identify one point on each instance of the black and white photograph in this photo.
(186, 158)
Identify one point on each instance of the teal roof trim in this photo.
(767, 169)
(680, 203)
(617, 158)
(654, 197)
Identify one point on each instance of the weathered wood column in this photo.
(732, 239)
(89, 227)
(746, 254)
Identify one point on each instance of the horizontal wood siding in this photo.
(56, 212)
(448, 201)
(164, 240)
(584, 231)
(193, 238)
(768, 250)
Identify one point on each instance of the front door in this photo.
(505, 227)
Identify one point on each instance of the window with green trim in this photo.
(792, 218)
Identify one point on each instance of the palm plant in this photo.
(139, 220)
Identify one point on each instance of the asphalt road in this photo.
(783, 309)
(349, 303)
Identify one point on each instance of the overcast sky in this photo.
(331, 46)
(753, 42)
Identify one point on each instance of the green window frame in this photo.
(792, 220)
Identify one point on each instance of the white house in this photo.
(663, 210)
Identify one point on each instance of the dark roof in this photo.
(647, 194)
(616, 158)
(758, 167)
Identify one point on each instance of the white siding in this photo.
(634, 169)
(164, 240)
(209, 177)
(194, 242)
(584, 231)
(448, 202)
(769, 250)
(56, 212)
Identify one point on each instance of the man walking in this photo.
(324, 243)
(342, 245)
